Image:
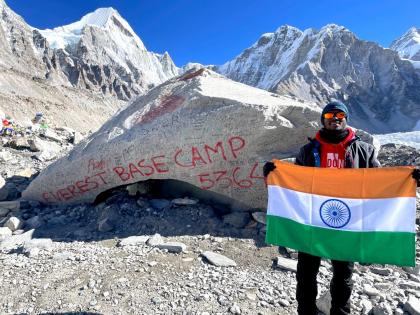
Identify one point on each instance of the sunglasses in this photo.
(339, 115)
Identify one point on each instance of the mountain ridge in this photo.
(382, 90)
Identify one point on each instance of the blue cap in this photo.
(335, 105)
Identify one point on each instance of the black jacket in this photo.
(359, 154)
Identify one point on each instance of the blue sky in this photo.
(215, 31)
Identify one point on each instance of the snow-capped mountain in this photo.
(408, 45)
(102, 52)
(78, 74)
(382, 90)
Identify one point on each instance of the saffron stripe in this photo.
(387, 182)
(396, 248)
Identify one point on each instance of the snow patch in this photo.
(106, 18)
(408, 45)
(411, 139)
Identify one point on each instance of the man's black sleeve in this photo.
(300, 158)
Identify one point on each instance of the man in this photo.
(334, 146)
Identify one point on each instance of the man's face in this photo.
(335, 123)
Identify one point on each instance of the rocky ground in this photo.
(137, 251)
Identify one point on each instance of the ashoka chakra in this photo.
(335, 213)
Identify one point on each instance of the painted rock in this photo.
(199, 128)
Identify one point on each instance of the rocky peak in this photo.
(408, 45)
(106, 19)
(332, 63)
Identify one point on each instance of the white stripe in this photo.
(387, 214)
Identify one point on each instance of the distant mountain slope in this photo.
(382, 90)
(102, 52)
(78, 74)
(408, 45)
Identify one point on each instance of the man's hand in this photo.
(268, 167)
(415, 174)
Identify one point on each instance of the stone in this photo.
(366, 306)
(105, 225)
(159, 204)
(41, 243)
(218, 259)
(11, 205)
(27, 173)
(237, 219)
(2, 182)
(190, 129)
(184, 202)
(5, 156)
(32, 252)
(380, 271)
(143, 188)
(133, 240)
(413, 270)
(284, 302)
(34, 222)
(286, 264)
(52, 135)
(398, 311)
(412, 305)
(260, 217)
(16, 240)
(132, 189)
(382, 309)
(410, 285)
(5, 232)
(36, 144)
(173, 247)
(13, 223)
(4, 212)
(77, 137)
(369, 290)
(235, 309)
(19, 143)
(63, 256)
(324, 302)
(155, 240)
(142, 203)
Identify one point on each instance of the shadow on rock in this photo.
(168, 208)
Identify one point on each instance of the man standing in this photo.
(334, 146)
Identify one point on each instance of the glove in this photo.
(268, 167)
(415, 174)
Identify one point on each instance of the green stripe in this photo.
(397, 248)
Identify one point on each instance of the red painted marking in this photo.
(196, 156)
(189, 76)
(158, 165)
(133, 169)
(141, 165)
(236, 144)
(169, 104)
(219, 145)
(252, 174)
(203, 179)
(177, 162)
(221, 177)
(96, 165)
(78, 188)
(244, 183)
(121, 172)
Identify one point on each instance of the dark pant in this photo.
(340, 288)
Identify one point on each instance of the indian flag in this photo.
(364, 215)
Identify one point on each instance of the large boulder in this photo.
(199, 128)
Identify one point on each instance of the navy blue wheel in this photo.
(335, 213)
